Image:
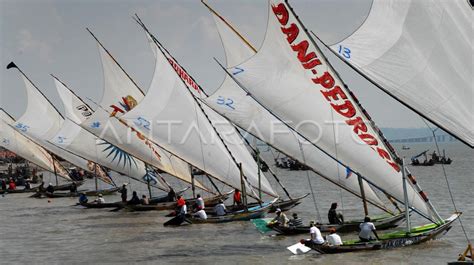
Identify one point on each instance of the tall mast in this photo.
(198, 102)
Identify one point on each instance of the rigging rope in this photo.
(309, 181)
(449, 186)
(336, 155)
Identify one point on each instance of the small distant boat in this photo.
(101, 205)
(405, 147)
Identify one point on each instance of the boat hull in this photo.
(352, 226)
(393, 242)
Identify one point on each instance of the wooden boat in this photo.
(284, 205)
(164, 198)
(251, 213)
(172, 205)
(381, 222)
(101, 205)
(396, 239)
(18, 191)
(103, 192)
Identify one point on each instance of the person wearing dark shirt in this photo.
(134, 200)
(123, 192)
(50, 188)
(333, 216)
(83, 198)
(171, 195)
(4, 184)
(73, 188)
(296, 221)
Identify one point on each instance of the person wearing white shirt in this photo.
(201, 214)
(100, 199)
(316, 236)
(366, 230)
(220, 208)
(333, 239)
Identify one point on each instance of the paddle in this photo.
(298, 249)
(261, 224)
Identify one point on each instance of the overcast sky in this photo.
(44, 37)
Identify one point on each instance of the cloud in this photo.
(27, 43)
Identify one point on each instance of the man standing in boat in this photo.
(237, 198)
(123, 192)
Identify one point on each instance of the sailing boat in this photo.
(75, 139)
(289, 65)
(120, 95)
(433, 75)
(26, 148)
(41, 130)
(212, 147)
(235, 104)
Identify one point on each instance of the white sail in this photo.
(290, 77)
(81, 142)
(172, 117)
(232, 102)
(120, 95)
(420, 52)
(41, 121)
(26, 148)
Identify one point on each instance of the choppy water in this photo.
(34, 231)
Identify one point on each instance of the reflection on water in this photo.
(35, 231)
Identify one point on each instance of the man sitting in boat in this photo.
(334, 217)
(201, 214)
(73, 188)
(171, 195)
(27, 185)
(100, 199)
(333, 239)
(296, 221)
(50, 188)
(316, 237)
(220, 209)
(12, 185)
(199, 202)
(144, 200)
(237, 198)
(83, 198)
(366, 230)
(134, 200)
(280, 218)
(181, 206)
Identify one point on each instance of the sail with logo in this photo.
(44, 128)
(120, 95)
(420, 53)
(24, 147)
(290, 77)
(208, 145)
(233, 103)
(75, 139)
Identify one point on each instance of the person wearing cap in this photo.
(334, 217)
(83, 198)
(280, 218)
(220, 209)
(296, 221)
(316, 237)
(123, 192)
(50, 188)
(100, 199)
(333, 239)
